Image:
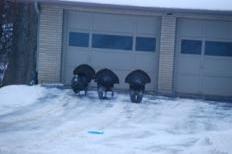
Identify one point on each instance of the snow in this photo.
(222, 5)
(41, 120)
(16, 97)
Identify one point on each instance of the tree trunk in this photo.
(22, 61)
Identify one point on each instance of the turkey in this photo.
(83, 74)
(105, 80)
(137, 80)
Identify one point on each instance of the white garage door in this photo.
(121, 43)
(204, 57)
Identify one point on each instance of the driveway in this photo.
(39, 120)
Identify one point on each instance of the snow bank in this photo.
(222, 5)
(13, 97)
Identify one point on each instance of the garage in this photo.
(203, 57)
(119, 42)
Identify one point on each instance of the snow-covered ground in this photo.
(38, 120)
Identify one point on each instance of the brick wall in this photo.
(167, 50)
(50, 44)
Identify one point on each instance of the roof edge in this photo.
(130, 7)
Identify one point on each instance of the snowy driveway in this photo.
(37, 120)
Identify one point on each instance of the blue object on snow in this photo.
(96, 132)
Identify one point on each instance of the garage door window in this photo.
(112, 42)
(78, 39)
(145, 44)
(191, 47)
(214, 48)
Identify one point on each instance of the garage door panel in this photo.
(72, 50)
(149, 86)
(144, 62)
(218, 67)
(189, 65)
(68, 74)
(78, 61)
(151, 27)
(215, 29)
(210, 72)
(114, 23)
(218, 86)
(80, 20)
(145, 69)
(190, 28)
(78, 58)
(112, 60)
(110, 51)
(188, 84)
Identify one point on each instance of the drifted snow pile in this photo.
(38, 120)
(13, 97)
